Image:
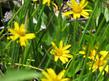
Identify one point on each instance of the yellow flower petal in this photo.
(14, 37)
(67, 13)
(61, 74)
(66, 51)
(54, 45)
(56, 58)
(63, 59)
(61, 44)
(107, 68)
(12, 31)
(66, 47)
(45, 74)
(22, 28)
(82, 2)
(74, 2)
(50, 75)
(65, 79)
(23, 41)
(85, 14)
(16, 25)
(68, 55)
(30, 36)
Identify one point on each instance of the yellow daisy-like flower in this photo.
(50, 75)
(61, 53)
(46, 2)
(77, 9)
(100, 62)
(100, 65)
(19, 32)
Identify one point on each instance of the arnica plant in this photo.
(54, 40)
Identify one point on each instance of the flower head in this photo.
(77, 9)
(61, 53)
(100, 62)
(19, 32)
(50, 75)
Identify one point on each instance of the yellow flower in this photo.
(99, 61)
(46, 2)
(61, 53)
(100, 65)
(77, 9)
(50, 75)
(19, 32)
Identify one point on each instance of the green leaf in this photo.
(106, 14)
(19, 75)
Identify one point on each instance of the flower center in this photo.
(59, 52)
(77, 9)
(56, 79)
(21, 33)
(99, 63)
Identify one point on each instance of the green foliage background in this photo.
(37, 55)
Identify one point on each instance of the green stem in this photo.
(90, 18)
